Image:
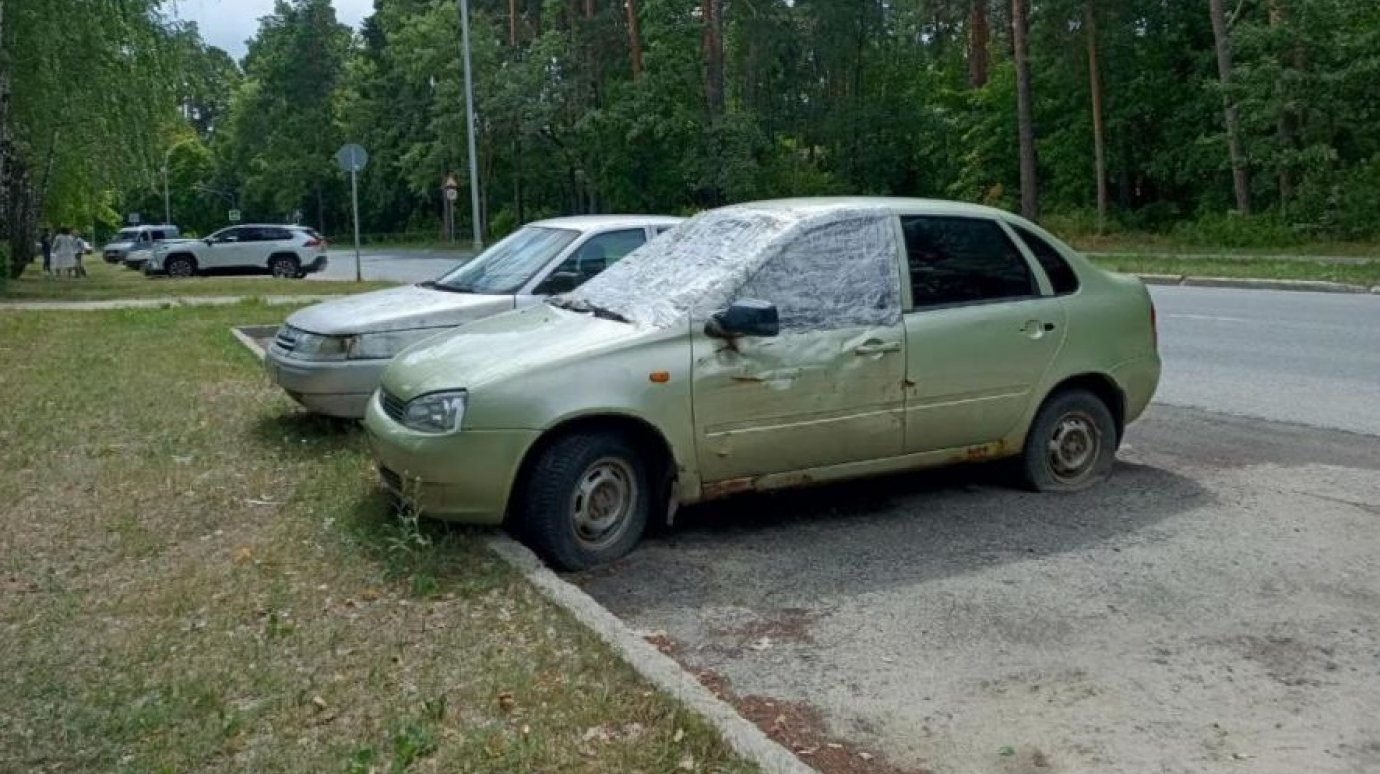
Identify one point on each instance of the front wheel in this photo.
(179, 266)
(586, 500)
(1071, 445)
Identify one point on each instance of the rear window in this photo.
(1061, 274)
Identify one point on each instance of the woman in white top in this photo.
(65, 249)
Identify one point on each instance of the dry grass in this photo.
(106, 281)
(198, 576)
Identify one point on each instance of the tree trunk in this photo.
(1030, 184)
(589, 9)
(713, 57)
(1287, 125)
(512, 22)
(634, 39)
(1240, 175)
(979, 35)
(1099, 137)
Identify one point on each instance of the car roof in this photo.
(266, 225)
(593, 222)
(898, 205)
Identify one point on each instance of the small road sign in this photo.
(352, 157)
(234, 216)
(134, 219)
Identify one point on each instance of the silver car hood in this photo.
(398, 309)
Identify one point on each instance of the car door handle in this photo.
(877, 348)
(1036, 328)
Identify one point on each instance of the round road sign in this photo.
(352, 157)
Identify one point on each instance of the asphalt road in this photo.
(400, 264)
(1310, 358)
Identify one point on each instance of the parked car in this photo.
(136, 238)
(329, 356)
(280, 250)
(771, 345)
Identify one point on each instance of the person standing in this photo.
(65, 249)
(45, 241)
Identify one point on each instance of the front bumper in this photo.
(338, 388)
(463, 477)
(133, 262)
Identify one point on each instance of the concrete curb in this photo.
(1311, 286)
(656, 667)
(159, 303)
(246, 335)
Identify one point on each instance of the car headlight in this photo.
(315, 346)
(367, 346)
(437, 412)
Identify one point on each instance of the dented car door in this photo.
(828, 389)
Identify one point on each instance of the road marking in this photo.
(1209, 317)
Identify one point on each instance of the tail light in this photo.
(315, 243)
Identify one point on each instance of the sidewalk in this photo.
(158, 303)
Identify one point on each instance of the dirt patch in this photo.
(800, 728)
(787, 624)
(665, 644)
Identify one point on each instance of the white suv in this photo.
(283, 251)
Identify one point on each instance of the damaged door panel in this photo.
(768, 405)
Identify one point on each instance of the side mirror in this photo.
(561, 282)
(746, 317)
(209, 241)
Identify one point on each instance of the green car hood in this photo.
(499, 347)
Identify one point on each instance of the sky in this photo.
(228, 24)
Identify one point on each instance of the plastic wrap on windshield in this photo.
(838, 273)
(823, 268)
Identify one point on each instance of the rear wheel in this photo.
(586, 500)
(1072, 443)
(180, 266)
(285, 266)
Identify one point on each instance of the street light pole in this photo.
(469, 123)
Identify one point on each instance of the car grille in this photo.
(286, 339)
(392, 406)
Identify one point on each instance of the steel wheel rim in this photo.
(1074, 447)
(281, 269)
(180, 269)
(602, 504)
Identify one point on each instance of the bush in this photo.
(1231, 230)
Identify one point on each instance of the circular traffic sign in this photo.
(352, 157)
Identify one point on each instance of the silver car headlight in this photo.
(374, 346)
(315, 346)
(437, 412)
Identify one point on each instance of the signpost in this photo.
(134, 219)
(451, 190)
(353, 158)
(233, 216)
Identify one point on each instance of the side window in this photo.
(963, 261)
(230, 235)
(1060, 273)
(275, 234)
(603, 251)
(837, 275)
(160, 235)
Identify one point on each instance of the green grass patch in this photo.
(197, 575)
(106, 281)
(1366, 273)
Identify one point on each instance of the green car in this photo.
(768, 345)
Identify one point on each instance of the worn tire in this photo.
(573, 480)
(1071, 444)
(179, 266)
(285, 266)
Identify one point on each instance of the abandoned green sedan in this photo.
(768, 345)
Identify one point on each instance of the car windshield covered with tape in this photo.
(769, 345)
